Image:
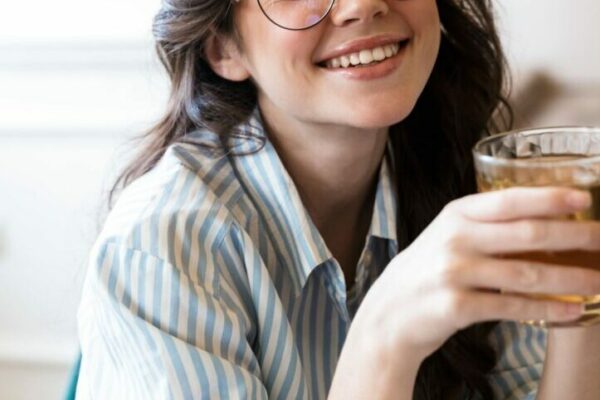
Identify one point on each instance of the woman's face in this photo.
(297, 72)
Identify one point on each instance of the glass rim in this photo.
(526, 163)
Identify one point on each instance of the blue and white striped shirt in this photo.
(209, 280)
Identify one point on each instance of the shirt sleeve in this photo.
(153, 329)
(521, 352)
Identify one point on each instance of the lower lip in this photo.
(370, 72)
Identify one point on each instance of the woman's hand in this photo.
(448, 278)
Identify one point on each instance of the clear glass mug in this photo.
(565, 156)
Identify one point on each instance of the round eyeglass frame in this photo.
(329, 8)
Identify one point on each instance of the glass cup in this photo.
(566, 156)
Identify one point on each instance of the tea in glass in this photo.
(567, 156)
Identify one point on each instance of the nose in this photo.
(349, 12)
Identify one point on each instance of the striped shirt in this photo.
(210, 281)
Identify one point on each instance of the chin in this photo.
(370, 115)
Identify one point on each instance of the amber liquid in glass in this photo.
(585, 259)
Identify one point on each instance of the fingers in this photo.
(520, 203)
(515, 307)
(521, 276)
(534, 235)
(466, 308)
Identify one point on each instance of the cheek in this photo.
(424, 20)
(270, 52)
(285, 54)
(434, 32)
(280, 63)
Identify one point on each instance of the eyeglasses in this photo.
(295, 15)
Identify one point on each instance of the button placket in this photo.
(333, 281)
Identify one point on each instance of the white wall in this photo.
(76, 78)
(81, 20)
(559, 36)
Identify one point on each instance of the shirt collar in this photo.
(277, 199)
(383, 221)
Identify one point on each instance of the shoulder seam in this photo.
(214, 250)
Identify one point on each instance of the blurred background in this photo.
(78, 78)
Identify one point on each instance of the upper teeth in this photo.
(364, 56)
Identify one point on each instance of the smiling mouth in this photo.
(364, 58)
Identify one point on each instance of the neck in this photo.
(335, 170)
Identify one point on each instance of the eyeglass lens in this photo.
(295, 14)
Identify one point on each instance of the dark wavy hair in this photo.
(463, 101)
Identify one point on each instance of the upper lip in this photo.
(357, 45)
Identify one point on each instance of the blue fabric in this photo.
(210, 280)
(73, 378)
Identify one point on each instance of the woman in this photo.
(302, 223)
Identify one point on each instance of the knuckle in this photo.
(590, 236)
(450, 207)
(455, 237)
(542, 310)
(452, 244)
(593, 285)
(505, 199)
(589, 281)
(532, 232)
(595, 235)
(556, 197)
(528, 276)
(594, 282)
(455, 305)
(453, 209)
(451, 271)
(458, 206)
(513, 307)
(553, 310)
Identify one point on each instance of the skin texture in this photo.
(435, 284)
(434, 288)
(293, 90)
(572, 362)
(308, 110)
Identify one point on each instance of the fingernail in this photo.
(579, 199)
